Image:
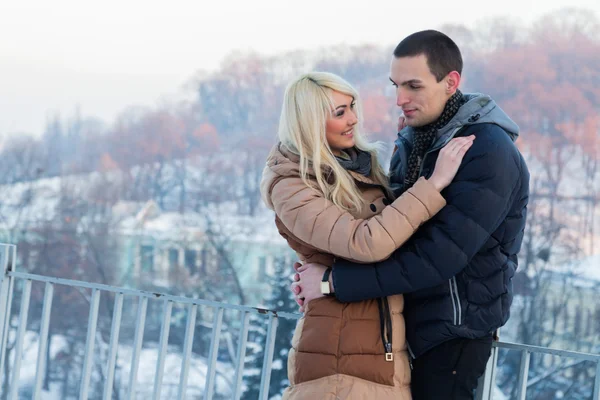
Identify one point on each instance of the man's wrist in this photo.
(326, 282)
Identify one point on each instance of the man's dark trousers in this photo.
(451, 370)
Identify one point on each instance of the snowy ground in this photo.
(498, 395)
(145, 379)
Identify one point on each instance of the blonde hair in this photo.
(307, 105)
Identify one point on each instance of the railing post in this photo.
(187, 350)
(494, 370)
(485, 385)
(7, 258)
(43, 346)
(523, 374)
(89, 345)
(162, 349)
(4, 283)
(597, 383)
(140, 324)
(241, 355)
(25, 297)
(265, 380)
(212, 356)
(112, 347)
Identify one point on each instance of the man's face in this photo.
(419, 94)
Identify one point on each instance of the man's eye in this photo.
(415, 87)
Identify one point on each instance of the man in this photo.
(456, 272)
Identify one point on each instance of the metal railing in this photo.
(487, 381)
(7, 282)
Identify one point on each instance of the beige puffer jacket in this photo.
(338, 349)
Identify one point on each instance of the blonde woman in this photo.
(331, 199)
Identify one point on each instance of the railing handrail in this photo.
(210, 303)
(488, 380)
(547, 350)
(150, 295)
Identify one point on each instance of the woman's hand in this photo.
(449, 160)
(401, 123)
(307, 283)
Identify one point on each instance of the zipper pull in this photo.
(410, 355)
(389, 356)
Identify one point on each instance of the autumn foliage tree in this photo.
(211, 149)
(548, 82)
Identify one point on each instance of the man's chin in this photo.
(416, 123)
(413, 124)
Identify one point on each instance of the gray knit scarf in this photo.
(424, 135)
(359, 161)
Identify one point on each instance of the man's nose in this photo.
(401, 97)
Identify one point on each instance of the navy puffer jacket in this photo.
(456, 271)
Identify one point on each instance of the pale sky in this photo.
(107, 55)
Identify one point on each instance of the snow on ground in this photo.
(498, 395)
(196, 377)
(145, 379)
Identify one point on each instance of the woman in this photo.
(331, 199)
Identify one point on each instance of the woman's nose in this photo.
(353, 120)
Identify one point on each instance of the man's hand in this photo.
(307, 283)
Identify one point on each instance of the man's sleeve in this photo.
(478, 200)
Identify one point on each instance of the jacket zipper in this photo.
(455, 301)
(411, 355)
(385, 320)
(459, 320)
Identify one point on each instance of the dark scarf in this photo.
(424, 135)
(359, 162)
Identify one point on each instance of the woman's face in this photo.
(339, 127)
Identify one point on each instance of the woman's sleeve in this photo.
(316, 221)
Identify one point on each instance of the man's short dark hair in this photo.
(443, 55)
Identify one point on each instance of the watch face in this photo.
(325, 287)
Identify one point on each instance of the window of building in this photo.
(147, 258)
(190, 260)
(173, 259)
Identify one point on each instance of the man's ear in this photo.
(452, 82)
